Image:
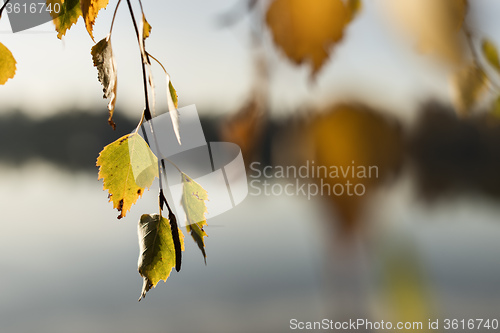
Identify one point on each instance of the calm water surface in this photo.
(68, 265)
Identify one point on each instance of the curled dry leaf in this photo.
(306, 30)
(7, 64)
(104, 61)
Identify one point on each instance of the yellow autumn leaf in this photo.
(127, 166)
(146, 27)
(66, 17)
(490, 52)
(306, 30)
(90, 9)
(7, 64)
(193, 202)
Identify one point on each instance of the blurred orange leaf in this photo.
(306, 30)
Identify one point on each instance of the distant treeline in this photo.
(70, 139)
(447, 154)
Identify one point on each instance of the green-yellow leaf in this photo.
(127, 167)
(172, 108)
(104, 61)
(146, 27)
(157, 252)
(306, 30)
(7, 64)
(67, 16)
(490, 52)
(173, 94)
(193, 202)
(90, 9)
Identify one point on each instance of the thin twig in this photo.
(142, 9)
(159, 63)
(147, 112)
(114, 15)
(140, 123)
(3, 7)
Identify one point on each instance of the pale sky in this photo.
(211, 66)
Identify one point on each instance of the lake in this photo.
(68, 265)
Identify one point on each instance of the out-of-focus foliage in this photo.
(346, 136)
(245, 128)
(404, 292)
(434, 24)
(469, 85)
(490, 52)
(306, 30)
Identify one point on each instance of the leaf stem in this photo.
(140, 123)
(159, 63)
(142, 9)
(114, 16)
(169, 161)
(144, 60)
(3, 7)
